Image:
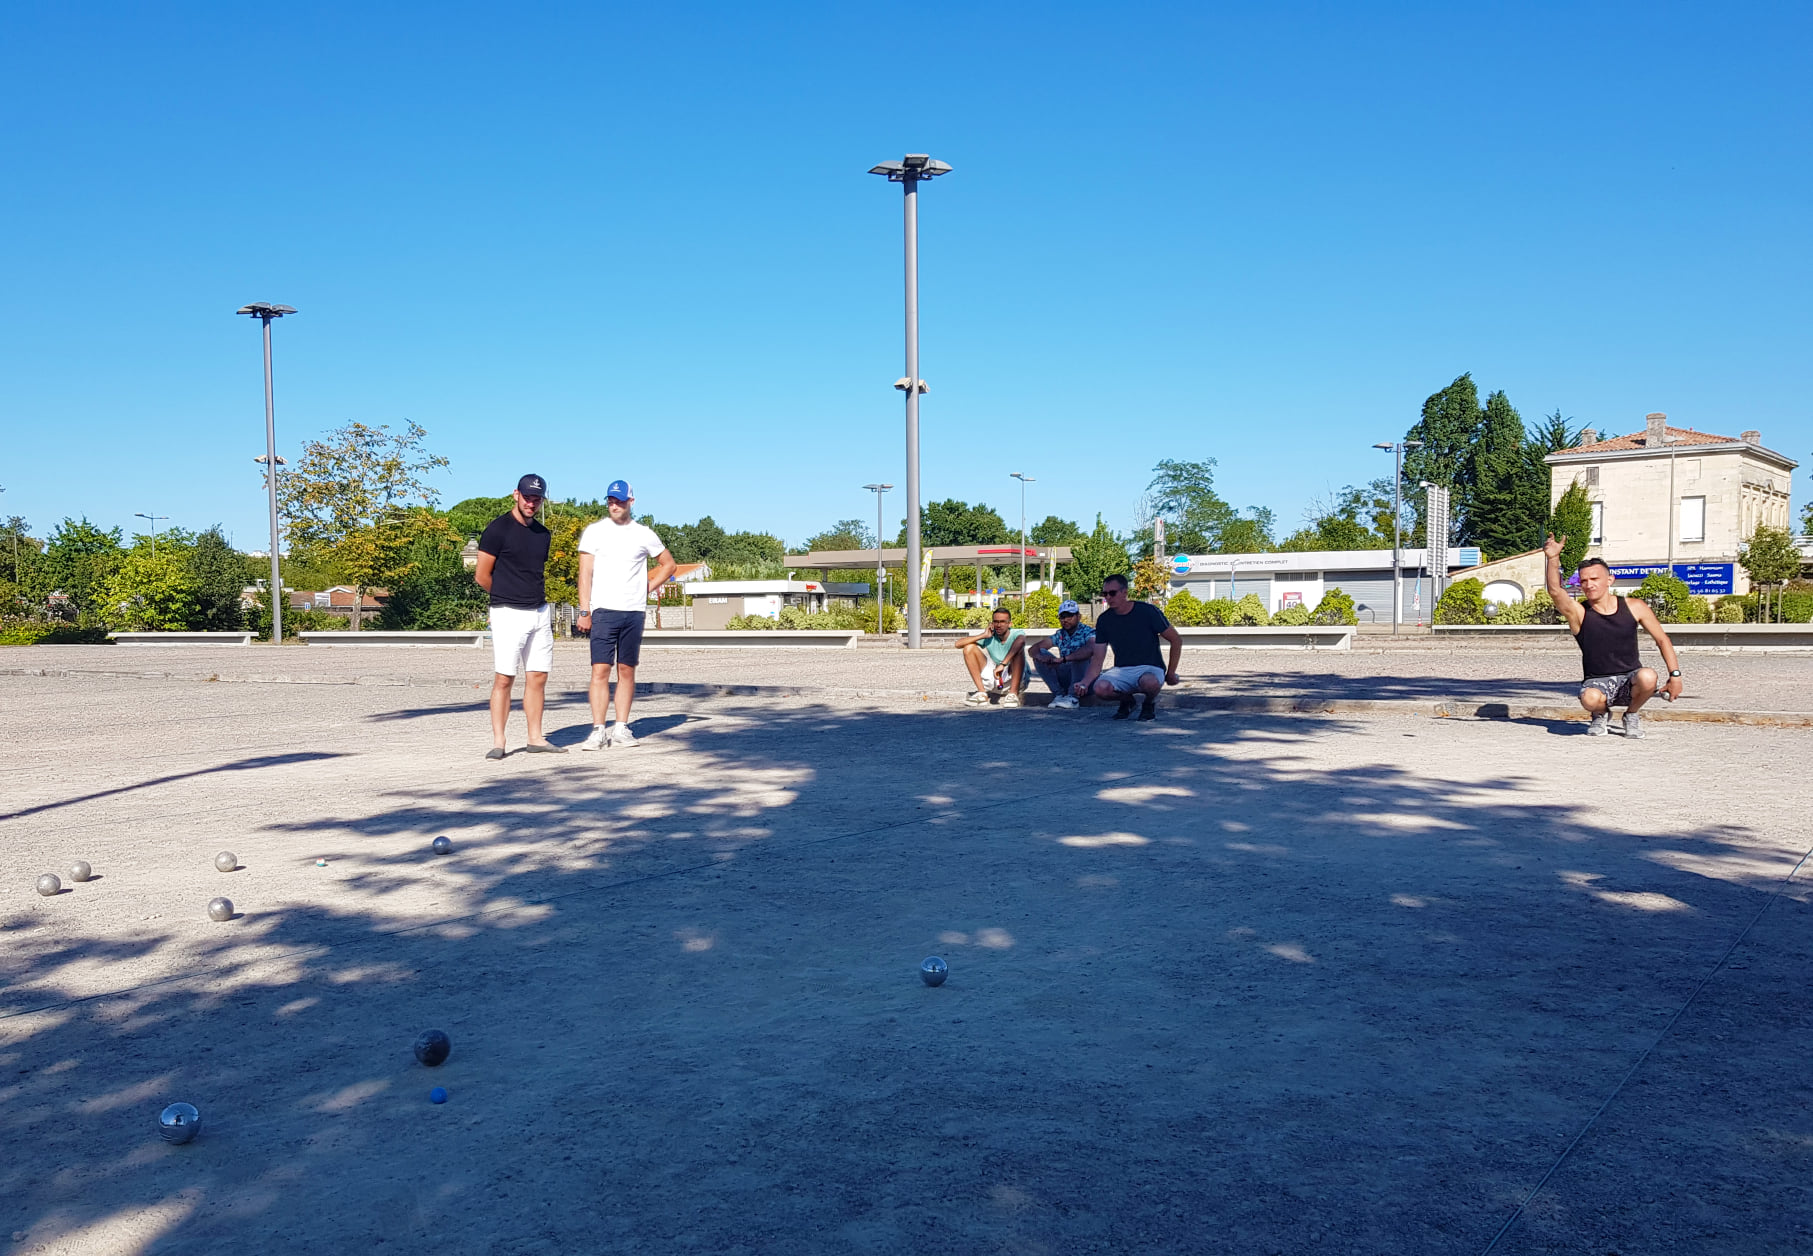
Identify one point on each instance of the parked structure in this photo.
(716, 602)
(1672, 497)
(1280, 580)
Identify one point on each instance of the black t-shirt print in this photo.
(1134, 636)
(522, 555)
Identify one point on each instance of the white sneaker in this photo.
(621, 736)
(597, 739)
(1599, 725)
(1063, 702)
(1633, 724)
(977, 698)
(1010, 699)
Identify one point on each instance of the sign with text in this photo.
(1703, 579)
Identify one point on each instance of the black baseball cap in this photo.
(532, 486)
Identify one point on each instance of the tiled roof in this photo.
(1677, 435)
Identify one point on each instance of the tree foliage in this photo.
(79, 557)
(707, 542)
(951, 522)
(218, 575)
(1352, 519)
(1198, 520)
(144, 593)
(1092, 560)
(1572, 518)
(1770, 558)
(1463, 602)
(354, 479)
(845, 534)
(431, 588)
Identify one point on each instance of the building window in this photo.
(1592, 477)
(1598, 536)
(1693, 518)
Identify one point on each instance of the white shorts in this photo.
(522, 640)
(1126, 679)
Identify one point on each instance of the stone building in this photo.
(1670, 496)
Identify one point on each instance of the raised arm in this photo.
(1565, 602)
(1640, 611)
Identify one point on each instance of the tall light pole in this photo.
(1397, 526)
(139, 514)
(264, 311)
(909, 171)
(880, 577)
(1024, 481)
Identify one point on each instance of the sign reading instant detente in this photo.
(1705, 579)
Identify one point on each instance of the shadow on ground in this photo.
(1209, 992)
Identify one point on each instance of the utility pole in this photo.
(264, 311)
(1397, 526)
(1024, 481)
(880, 570)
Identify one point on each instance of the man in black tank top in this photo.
(1605, 628)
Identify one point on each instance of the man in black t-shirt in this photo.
(512, 555)
(1133, 630)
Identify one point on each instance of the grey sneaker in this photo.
(1599, 725)
(1633, 724)
(597, 739)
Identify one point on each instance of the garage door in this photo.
(1370, 591)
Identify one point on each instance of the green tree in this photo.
(432, 589)
(1572, 518)
(1770, 558)
(1509, 504)
(218, 577)
(845, 534)
(1054, 531)
(1349, 520)
(1198, 520)
(1448, 429)
(148, 594)
(1092, 560)
(1463, 602)
(1668, 596)
(472, 516)
(951, 522)
(79, 557)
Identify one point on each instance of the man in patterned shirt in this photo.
(1074, 643)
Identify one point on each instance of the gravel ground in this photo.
(1475, 673)
(1232, 983)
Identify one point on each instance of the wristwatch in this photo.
(1674, 673)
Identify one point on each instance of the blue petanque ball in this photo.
(438, 1095)
(179, 1122)
(933, 971)
(441, 845)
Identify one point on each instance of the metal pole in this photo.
(1671, 505)
(1022, 545)
(270, 481)
(1397, 530)
(911, 224)
(881, 588)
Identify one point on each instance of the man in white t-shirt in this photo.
(614, 586)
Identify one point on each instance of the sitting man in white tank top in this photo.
(1605, 628)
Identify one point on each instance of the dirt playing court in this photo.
(1218, 984)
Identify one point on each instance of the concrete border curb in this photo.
(1229, 704)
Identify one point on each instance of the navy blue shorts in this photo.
(617, 637)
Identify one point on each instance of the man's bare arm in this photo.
(585, 584)
(1097, 652)
(482, 572)
(663, 572)
(1565, 602)
(1639, 609)
(1176, 639)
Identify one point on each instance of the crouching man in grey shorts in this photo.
(1134, 630)
(1605, 628)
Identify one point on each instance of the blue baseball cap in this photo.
(1069, 607)
(620, 489)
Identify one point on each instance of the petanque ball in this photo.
(48, 884)
(80, 870)
(438, 1095)
(433, 1047)
(179, 1122)
(220, 909)
(226, 861)
(933, 971)
(442, 846)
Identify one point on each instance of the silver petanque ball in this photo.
(80, 870)
(226, 861)
(933, 971)
(220, 909)
(49, 884)
(441, 846)
(179, 1122)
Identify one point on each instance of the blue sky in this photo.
(599, 241)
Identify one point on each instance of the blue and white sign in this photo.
(1704, 579)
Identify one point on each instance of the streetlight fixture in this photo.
(139, 514)
(1397, 526)
(909, 172)
(265, 311)
(1024, 481)
(880, 571)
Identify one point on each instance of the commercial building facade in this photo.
(1280, 580)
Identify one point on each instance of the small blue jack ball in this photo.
(226, 861)
(220, 909)
(433, 1048)
(179, 1122)
(442, 846)
(49, 884)
(80, 870)
(933, 971)
(438, 1095)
